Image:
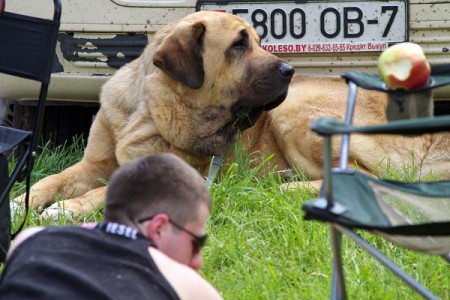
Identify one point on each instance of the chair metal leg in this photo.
(387, 262)
(5, 215)
(17, 172)
(338, 291)
(345, 143)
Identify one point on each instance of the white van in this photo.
(318, 37)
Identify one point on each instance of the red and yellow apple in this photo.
(404, 66)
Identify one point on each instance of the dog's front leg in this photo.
(75, 207)
(91, 172)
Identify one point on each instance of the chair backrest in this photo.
(27, 44)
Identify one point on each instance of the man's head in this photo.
(165, 199)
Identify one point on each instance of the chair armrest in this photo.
(440, 76)
(328, 126)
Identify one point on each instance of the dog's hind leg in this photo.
(312, 186)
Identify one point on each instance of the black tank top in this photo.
(110, 261)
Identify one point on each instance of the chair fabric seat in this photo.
(415, 215)
(11, 137)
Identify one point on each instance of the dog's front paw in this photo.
(57, 212)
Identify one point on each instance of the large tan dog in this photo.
(200, 81)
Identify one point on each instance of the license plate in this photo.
(321, 26)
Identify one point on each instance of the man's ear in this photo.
(180, 54)
(156, 227)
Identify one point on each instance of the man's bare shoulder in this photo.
(186, 282)
(22, 236)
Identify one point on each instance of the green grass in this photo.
(261, 248)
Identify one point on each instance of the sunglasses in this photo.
(197, 243)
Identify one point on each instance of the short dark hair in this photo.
(161, 183)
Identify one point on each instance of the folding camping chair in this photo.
(413, 215)
(27, 50)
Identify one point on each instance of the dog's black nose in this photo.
(286, 70)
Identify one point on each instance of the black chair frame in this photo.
(27, 50)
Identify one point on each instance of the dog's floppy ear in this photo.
(180, 54)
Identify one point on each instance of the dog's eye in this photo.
(240, 44)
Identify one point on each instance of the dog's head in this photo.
(212, 79)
